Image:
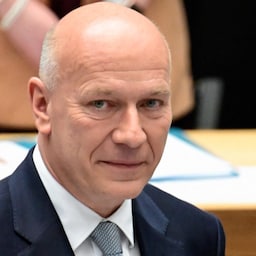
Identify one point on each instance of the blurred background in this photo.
(223, 40)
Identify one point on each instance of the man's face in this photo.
(109, 122)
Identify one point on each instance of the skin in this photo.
(103, 128)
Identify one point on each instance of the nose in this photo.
(129, 130)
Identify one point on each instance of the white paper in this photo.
(183, 160)
(11, 155)
(223, 192)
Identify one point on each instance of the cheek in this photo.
(89, 139)
(157, 140)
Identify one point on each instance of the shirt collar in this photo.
(77, 219)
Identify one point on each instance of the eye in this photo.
(100, 109)
(99, 104)
(152, 103)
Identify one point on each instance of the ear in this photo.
(39, 97)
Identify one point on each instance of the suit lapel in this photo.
(35, 218)
(51, 242)
(150, 228)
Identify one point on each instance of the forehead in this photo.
(124, 38)
(125, 85)
(115, 46)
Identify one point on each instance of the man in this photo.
(102, 110)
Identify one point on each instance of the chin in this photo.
(130, 190)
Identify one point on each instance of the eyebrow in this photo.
(159, 92)
(94, 91)
(106, 91)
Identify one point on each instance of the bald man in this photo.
(102, 109)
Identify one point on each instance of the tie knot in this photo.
(107, 237)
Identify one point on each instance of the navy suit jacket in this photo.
(164, 225)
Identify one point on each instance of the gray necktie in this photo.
(107, 236)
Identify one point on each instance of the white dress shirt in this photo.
(79, 221)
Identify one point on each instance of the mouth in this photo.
(123, 164)
(124, 170)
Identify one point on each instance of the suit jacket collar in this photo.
(34, 216)
(151, 227)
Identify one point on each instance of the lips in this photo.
(123, 164)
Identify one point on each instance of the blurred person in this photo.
(102, 108)
(20, 45)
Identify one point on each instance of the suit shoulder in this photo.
(5, 210)
(189, 223)
(4, 189)
(173, 206)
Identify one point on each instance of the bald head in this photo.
(101, 33)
